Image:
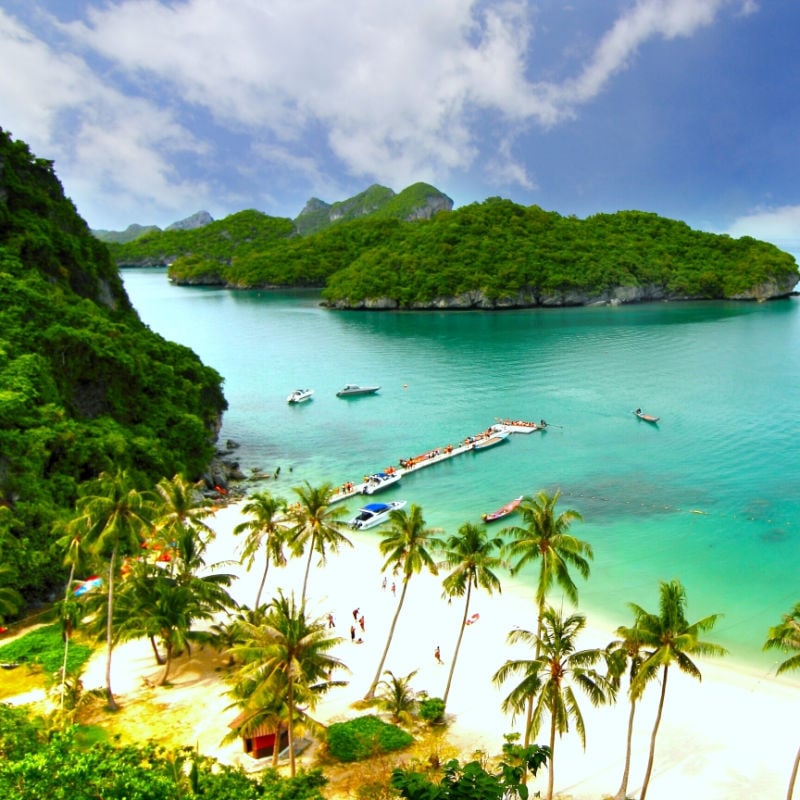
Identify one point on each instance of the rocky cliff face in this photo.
(619, 295)
(197, 220)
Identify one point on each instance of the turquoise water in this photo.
(709, 495)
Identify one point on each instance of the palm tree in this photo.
(397, 696)
(471, 555)
(545, 537)
(75, 555)
(179, 506)
(117, 517)
(786, 637)
(668, 638)
(557, 666)
(288, 656)
(405, 545)
(625, 655)
(318, 524)
(267, 528)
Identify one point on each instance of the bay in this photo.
(709, 495)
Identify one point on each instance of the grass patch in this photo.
(44, 647)
(364, 737)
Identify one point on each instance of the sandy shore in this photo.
(731, 736)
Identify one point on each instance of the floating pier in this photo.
(437, 455)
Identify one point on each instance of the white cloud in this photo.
(781, 226)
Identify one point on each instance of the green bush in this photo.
(431, 709)
(364, 737)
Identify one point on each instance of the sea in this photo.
(709, 495)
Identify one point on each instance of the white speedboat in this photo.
(496, 437)
(300, 396)
(353, 390)
(374, 514)
(380, 480)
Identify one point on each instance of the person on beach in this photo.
(361, 621)
(352, 633)
(355, 613)
(331, 623)
(437, 654)
(394, 588)
(383, 585)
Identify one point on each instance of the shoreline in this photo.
(706, 744)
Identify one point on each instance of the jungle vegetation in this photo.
(497, 248)
(85, 386)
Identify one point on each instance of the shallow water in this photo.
(709, 495)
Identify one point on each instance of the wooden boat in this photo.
(646, 417)
(354, 390)
(496, 437)
(507, 509)
(299, 396)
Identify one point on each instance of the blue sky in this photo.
(153, 110)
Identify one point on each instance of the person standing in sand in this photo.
(437, 654)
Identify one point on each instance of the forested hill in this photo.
(85, 386)
(494, 254)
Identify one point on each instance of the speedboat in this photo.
(300, 395)
(353, 390)
(507, 509)
(380, 480)
(374, 514)
(646, 417)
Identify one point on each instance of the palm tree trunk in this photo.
(67, 635)
(112, 704)
(276, 747)
(308, 568)
(622, 793)
(793, 777)
(261, 585)
(290, 727)
(458, 643)
(551, 775)
(371, 691)
(653, 736)
(167, 663)
(159, 658)
(529, 711)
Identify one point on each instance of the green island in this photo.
(96, 411)
(490, 255)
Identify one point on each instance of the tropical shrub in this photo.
(364, 737)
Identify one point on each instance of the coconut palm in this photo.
(786, 637)
(397, 697)
(405, 544)
(625, 655)
(118, 518)
(558, 667)
(317, 523)
(544, 537)
(668, 638)
(288, 656)
(180, 506)
(267, 528)
(471, 555)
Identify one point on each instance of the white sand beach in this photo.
(732, 736)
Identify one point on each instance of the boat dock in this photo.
(434, 456)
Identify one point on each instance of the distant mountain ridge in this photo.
(418, 201)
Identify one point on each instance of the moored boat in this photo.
(496, 437)
(507, 509)
(299, 396)
(354, 390)
(380, 480)
(374, 514)
(646, 417)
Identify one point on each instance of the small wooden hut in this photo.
(259, 742)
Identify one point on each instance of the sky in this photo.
(154, 109)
